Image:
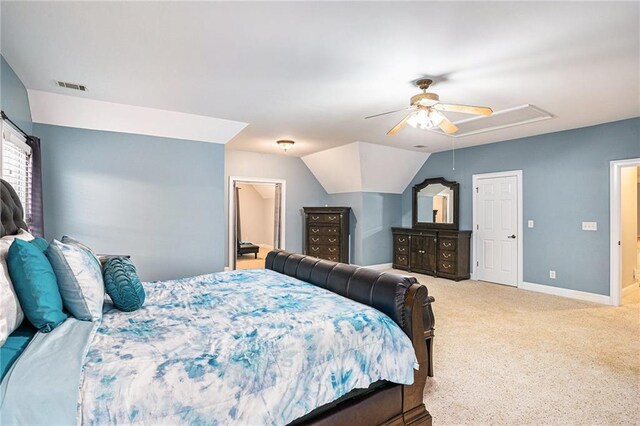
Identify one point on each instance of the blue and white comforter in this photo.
(246, 347)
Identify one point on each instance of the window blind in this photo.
(17, 166)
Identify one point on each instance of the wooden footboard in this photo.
(400, 297)
(414, 411)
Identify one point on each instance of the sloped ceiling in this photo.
(73, 111)
(365, 167)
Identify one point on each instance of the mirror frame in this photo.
(455, 188)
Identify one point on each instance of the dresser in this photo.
(327, 233)
(441, 253)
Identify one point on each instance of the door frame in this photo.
(231, 198)
(615, 266)
(520, 226)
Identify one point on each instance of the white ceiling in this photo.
(365, 167)
(312, 71)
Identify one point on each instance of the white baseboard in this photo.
(565, 292)
(380, 266)
(628, 289)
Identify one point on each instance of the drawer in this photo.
(447, 255)
(446, 266)
(324, 218)
(401, 249)
(401, 240)
(315, 250)
(447, 243)
(401, 259)
(331, 257)
(324, 230)
(324, 239)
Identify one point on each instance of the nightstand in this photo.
(104, 257)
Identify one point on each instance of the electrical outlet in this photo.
(552, 275)
(530, 224)
(589, 226)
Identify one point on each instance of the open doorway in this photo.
(625, 232)
(256, 220)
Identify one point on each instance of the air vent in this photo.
(517, 116)
(73, 86)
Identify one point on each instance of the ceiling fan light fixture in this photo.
(435, 117)
(420, 120)
(286, 145)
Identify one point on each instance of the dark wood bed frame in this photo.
(400, 297)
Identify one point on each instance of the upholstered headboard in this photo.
(12, 212)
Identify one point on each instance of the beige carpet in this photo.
(514, 357)
(248, 261)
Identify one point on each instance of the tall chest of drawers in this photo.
(442, 253)
(327, 233)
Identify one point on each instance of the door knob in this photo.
(511, 236)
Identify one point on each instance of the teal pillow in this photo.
(122, 284)
(41, 244)
(35, 285)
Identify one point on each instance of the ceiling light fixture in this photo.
(286, 145)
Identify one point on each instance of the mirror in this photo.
(435, 204)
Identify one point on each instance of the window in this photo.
(16, 165)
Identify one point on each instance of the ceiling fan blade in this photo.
(447, 126)
(390, 112)
(465, 109)
(400, 125)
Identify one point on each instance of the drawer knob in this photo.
(332, 249)
(315, 240)
(332, 240)
(315, 248)
(315, 217)
(402, 240)
(333, 217)
(315, 230)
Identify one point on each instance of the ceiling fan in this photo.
(426, 111)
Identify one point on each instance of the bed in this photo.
(303, 342)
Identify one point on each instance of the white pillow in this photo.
(11, 314)
(79, 278)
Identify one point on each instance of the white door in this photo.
(497, 230)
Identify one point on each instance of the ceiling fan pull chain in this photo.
(453, 152)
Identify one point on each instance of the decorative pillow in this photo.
(69, 240)
(35, 284)
(122, 284)
(79, 279)
(11, 314)
(41, 244)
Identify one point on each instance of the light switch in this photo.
(589, 226)
(530, 224)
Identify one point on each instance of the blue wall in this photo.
(303, 189)
(372, 216)
(13, 97)
(356, 222)
(565, 182)
(159, 200)
(381, 212)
